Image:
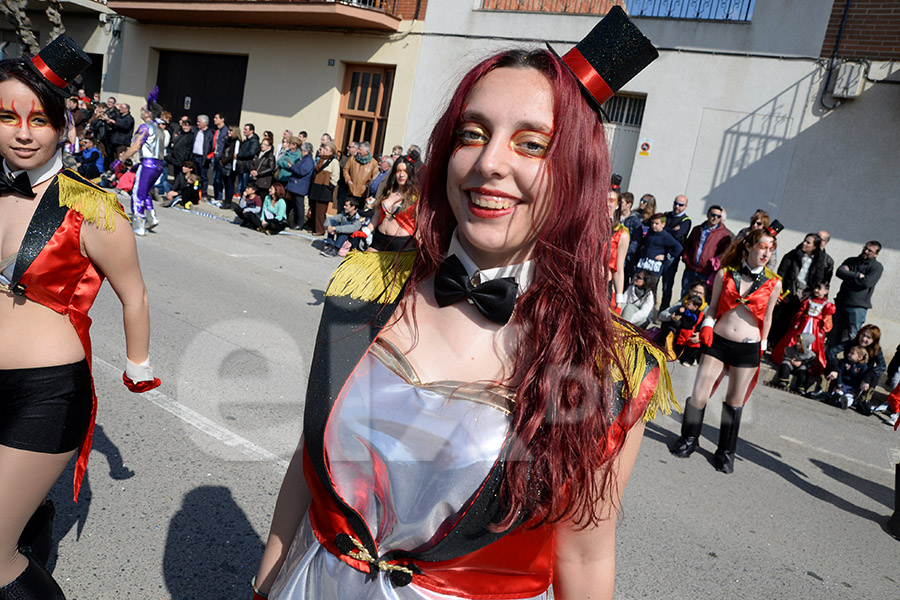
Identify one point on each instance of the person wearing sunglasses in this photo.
(704, 248)
(678, 224)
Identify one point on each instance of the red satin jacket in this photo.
(65, 281)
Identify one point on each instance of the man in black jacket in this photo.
(180, 150)
(121, 126)
(245, 157)
(829, 262)
(219, 137)
(678, 223)
(859, 275)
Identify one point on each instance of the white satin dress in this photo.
(405, 455)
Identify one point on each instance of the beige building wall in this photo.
(289, 83)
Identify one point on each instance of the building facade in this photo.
(738, 110)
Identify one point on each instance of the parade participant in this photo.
(393, 222)
(813, 318)
(59, 236)
(618, 251)
(148, 139)
(743, 298)
(482, 482)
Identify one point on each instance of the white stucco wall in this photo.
(289, 84)
(743, 131)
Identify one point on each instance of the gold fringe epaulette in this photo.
(635, 351)
(372, 276)
(97, 205)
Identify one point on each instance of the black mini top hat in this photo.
(60, 62)
(775, 227)
(609, 57)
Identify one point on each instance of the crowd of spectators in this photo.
(821, 348)
(292, 184)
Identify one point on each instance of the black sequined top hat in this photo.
(60, 62)
(774, 228)
(609, 57)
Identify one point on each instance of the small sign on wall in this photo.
(645, 147)
(187, 103)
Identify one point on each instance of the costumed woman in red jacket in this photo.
(734, 336)
(458, 392)
(813, 317)
(59, 236)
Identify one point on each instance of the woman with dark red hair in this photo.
(474, 410)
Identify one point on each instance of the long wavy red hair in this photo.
(564, 385)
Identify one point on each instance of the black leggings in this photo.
(45, 409)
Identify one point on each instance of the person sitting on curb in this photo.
(250, 203)
(339, 227)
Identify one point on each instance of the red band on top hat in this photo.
(48, 72)
(588, 76)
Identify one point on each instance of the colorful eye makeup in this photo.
(525, 142)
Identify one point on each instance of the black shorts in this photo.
(734, 354)
(392, 243)
(45, 409)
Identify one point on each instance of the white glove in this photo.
(139, 372)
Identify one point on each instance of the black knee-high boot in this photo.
(36, 540)
(691, 424)
(34, 583)
(894, 521)
(728, 437)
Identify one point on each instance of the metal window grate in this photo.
(625, 109)
(701, 10)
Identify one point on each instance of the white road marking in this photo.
(840, 456)
(207, 426)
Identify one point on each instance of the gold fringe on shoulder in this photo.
(635, 350)
(372, 276)
(98, 206)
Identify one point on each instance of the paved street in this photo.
(182, 480)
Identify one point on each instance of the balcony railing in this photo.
(379, 15)
(702, 10)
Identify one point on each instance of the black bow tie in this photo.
(20, 185)
(745, 270)
(495, 299)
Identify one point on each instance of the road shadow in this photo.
(73, 515)
(877, 492)
(212, 550)
(318, 297)
(750, 452)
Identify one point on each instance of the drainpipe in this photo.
(834, 54)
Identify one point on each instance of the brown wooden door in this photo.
(365, 102)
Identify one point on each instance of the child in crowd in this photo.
(797, 360)
(173, 196)
(116, 169)
(125, 183)
(639, 300)
(250, 204)
(679, 333)
(340, 227)
(656, 245)
(190, 194)
(813, 319)
(892, 406)
(852, 374)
